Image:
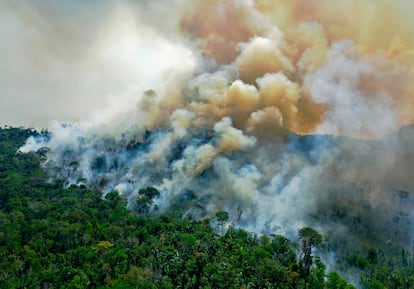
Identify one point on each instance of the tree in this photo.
(337, 282)
(310, 238)
(115, 200)
(145, 199)
(149, 192)
(283, 249)
(222, 217)
(316, 279)
(373, 256)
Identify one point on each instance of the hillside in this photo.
(73, 238)
(207, 144)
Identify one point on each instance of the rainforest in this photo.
(207, 144)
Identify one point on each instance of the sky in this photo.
(68, 61)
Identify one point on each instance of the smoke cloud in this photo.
(284, 113)
(62, 61)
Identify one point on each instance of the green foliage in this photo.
(145, 200)
(222, 218)
(310, 238)
(337, 282)
(149, 192)
(73, 238)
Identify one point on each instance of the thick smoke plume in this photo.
(284, 113)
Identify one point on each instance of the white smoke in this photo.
(63, 61)
(145, 105)
(351, 111)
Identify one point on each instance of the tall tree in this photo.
(309, 238)
(222, 218)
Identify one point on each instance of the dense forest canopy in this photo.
(53, 237)
(207, 144)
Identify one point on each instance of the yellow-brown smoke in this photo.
(201, 109)
(278, 49)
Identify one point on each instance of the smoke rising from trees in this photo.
(281, 109)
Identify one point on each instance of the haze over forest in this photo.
(284, 114)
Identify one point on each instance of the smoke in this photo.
(352, 110)
(62, 61)
(284, 113)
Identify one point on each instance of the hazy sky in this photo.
(63, 60)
